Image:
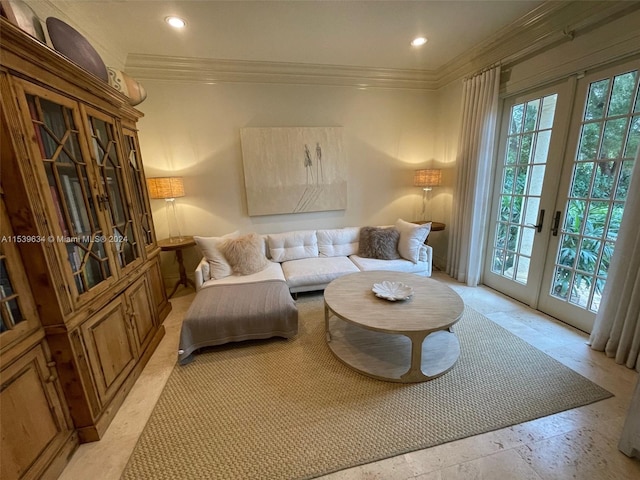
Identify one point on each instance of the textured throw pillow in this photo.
(218, 265)
(381, 243)
(412, 237)
(245, 254)
(364, 245)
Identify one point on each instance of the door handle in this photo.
(538, 226)
(556, 223)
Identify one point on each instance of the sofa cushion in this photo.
(399, 265)
(272, 272)
(235, 313)
(316, 271)
(293, 245)
(218, 265)
(378, 242)
(338, 242)
(245, 254)
(412, 237)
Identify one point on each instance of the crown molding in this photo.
(204, 70)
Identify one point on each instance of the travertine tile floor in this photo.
(576, 444)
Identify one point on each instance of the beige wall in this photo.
(193, 130)
(449, 113)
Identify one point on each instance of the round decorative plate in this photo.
(122, 82)
(21, 15)
(70, 43)
(392, 291)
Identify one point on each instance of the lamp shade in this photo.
(165, 187)
(427, 178)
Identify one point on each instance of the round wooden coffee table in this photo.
(402, 341)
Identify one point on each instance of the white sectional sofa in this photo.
(309, 260)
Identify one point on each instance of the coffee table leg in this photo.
(327, 313)
(414, 374)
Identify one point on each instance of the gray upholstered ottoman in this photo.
(232, 313)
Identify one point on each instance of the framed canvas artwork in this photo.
(294, 169)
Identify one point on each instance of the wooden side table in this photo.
(177, 245)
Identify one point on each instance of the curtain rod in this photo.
(483, 70)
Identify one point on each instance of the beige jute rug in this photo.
(288, 409)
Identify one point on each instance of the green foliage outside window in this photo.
(609, 139)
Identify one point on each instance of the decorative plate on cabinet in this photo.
(21, 15)
(70, 43)
(127, 85)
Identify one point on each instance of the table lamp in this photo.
(427, 179)
(168, 188)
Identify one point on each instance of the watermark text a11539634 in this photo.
(84, 239)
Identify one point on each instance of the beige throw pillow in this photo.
(218, 265)
(412, 237)
(245, 254)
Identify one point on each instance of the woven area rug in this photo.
(288, 409)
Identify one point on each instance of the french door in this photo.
(532, 138)
(564, 166)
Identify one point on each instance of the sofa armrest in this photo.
(426, 255)
(202, 273)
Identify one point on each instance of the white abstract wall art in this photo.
(294, 170)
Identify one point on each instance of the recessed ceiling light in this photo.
(175, 22)
(418, 41)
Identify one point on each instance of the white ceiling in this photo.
(351, 33)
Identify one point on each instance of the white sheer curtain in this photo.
(617, 327)
(474, 162)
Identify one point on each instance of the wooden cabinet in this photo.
(37, 432)
(163, 307)
(78, 211)
(35, 427)
(109, 347)
(117, 336)
(141, 309)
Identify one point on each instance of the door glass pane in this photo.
(600, 181)
(597, 99)
(528, 148)
(542, 147)
(71, 197)
(623, 181)
(581, 182)
(105, 151)
(634, 137)
(137, 180)
(613, 138)
(622, 94)
(10, 313)
(589, 141)
(605, 179)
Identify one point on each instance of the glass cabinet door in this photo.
(17, 310)
(111, 173)
(136, 173)
(56, 124)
